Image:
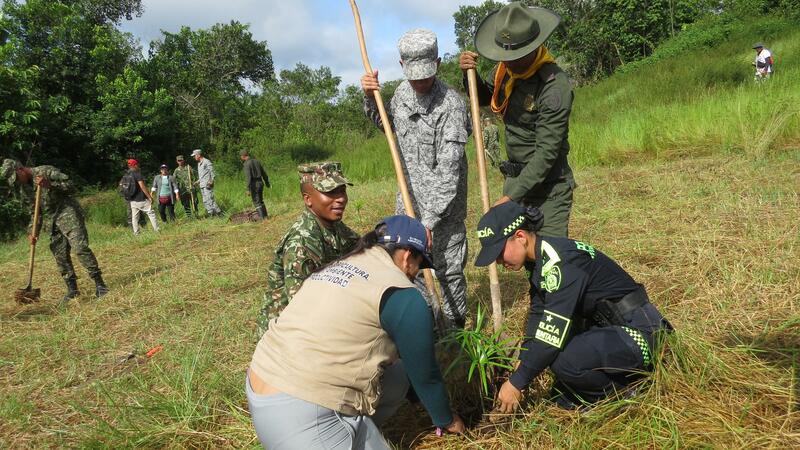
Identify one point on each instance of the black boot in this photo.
(262, 212)
(72, 290)
(100, 286)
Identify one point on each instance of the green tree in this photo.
(134, 121)
(208, 73)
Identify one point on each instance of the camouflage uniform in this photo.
(205, 179)
(181, 175)
(432, 132)
(307, 246)
(65, 220)
(491, 144)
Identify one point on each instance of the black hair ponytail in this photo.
(534, 219)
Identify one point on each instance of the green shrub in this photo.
(14, 217)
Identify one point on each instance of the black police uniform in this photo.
(589, 321)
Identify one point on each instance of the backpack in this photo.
(127, 186)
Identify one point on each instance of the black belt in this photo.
(632, 301)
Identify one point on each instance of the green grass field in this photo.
(691, 185)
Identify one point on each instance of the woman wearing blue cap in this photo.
(338, 360)
(589, 321)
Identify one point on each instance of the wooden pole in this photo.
(191, 193)
(387, 130)
(477, 134)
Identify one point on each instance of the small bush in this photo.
(14, 217)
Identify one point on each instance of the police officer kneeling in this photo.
(589, 321)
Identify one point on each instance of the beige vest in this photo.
(327, 347)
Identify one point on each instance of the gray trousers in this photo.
(284, 422)
(449, 254)
(210, 202)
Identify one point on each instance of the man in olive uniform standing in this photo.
(66, 220)
(534, 97)
(256, 178)
(183, 173)
(318, 237)
(432, 125)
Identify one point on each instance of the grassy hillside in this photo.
(688, 179)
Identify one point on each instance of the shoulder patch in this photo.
(552, 329)
(553, 101)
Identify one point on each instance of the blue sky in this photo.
(315, 32)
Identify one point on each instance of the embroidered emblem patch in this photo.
(529, 103)
(552, 329)
(551, 280)
(585, 247)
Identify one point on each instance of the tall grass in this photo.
(696, 101)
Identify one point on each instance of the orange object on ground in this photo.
(154, 350)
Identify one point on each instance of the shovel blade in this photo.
(27, 296)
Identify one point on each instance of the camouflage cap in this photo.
(179, 158)
(419, 52)
(8, 171)
(324, 176)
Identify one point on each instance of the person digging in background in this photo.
(589, 321)
(141, 201)
(256, 179)
(183, 174)
(338, 361)
(165, 187)
(65, 220)
(534, 98)
(316, 238)
(432, 126)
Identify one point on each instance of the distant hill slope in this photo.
(694, 95)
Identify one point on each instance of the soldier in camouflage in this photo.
(318, 237)
(491, 141)
(205, 180)
(182, 173)
(431, 123)
(65, 220)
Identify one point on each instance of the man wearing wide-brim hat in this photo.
(534, 98)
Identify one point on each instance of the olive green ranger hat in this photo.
(324, 176)
(8, 171)
(514, 31)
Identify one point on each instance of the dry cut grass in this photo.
(714, 239)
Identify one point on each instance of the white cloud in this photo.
(314, 32)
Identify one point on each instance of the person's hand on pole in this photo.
(508, 398)
(370, 84)
(32, 238)
(42, 181)
(468, 60)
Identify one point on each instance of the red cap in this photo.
(133, 162)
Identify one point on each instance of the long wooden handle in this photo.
(35, 231)
(191, 192)
(387, 130)
(477, 134)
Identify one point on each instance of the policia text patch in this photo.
(552, 329)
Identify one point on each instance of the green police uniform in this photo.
(537, 117)
(65, 220)
(307, 246)
(537, 127)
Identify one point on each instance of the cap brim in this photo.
(419, 70)
(488, 48)
(489, 253)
